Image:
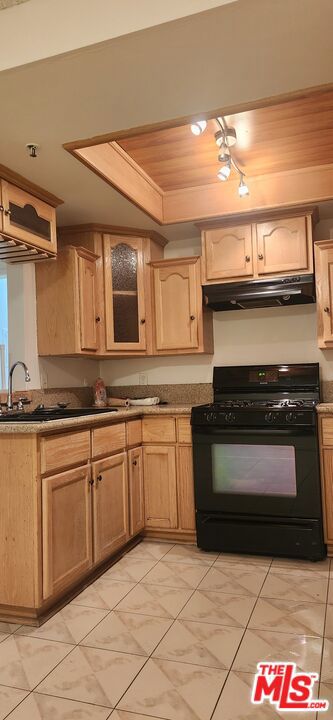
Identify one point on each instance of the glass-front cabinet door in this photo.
(27, 218)
(125, 320)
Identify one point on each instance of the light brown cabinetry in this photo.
(104, 300)
(227, 253)
(160, 484)
(326, 460)
(265, 244)
(66, 545)
(324, 289)
(110, 505)
(180, 323)
(67, 315)
(125, 298)
(28, 219)
(168, 477)
(135, 490)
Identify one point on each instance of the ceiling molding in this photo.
(4, 4)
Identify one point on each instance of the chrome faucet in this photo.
(10, 382)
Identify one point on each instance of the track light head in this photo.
(198, 127)
(224, 172)
(219, 138)
(242, 187)
(224, 156)
(230, 136)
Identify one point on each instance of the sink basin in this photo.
(46, 414)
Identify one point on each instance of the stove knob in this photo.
(291, 417)
(230, 417)
(269, 417)
(211, 417)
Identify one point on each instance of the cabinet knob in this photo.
(260, 256)
(91, 482)
(1, 208)
(135, 462)
(192, 317)
(142, 321)
(98, 319)
(99, 478)
(7, 211)
(326, 309)
(247, 258)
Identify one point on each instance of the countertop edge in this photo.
(19, 428)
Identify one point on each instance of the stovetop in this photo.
(45, 414)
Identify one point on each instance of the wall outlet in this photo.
(143, 379)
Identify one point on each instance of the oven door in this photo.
(258, 471)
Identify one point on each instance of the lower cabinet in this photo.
(67, 546)
(110, 505)
(160, 482)
(135, 489)
(185, 487)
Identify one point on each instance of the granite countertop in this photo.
(98, 419)
(325, 407)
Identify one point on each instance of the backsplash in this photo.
(195, 393)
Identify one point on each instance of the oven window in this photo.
(268, 470)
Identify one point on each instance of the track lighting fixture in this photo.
(224, 172)
(242, 187)
(198, 127)
(225, 138)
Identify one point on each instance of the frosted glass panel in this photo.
(124, 268)
(267, 470)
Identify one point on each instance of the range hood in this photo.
(272, 292)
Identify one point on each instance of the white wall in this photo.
(43, 28)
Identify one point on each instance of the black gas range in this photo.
(256, 467)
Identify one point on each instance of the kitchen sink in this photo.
(47, 414)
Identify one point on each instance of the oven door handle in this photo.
(277, 432)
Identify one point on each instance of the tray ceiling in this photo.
(289, 136)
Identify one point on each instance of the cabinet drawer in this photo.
(65, 450)
(184, 431)
(327, 431)
(109, 439)
(133, 433)
(159, 430)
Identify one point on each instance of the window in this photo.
(3, 326)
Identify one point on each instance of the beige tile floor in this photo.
(174, 633)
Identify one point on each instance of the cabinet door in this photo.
(176, 305)
(283, 246)
(125, 313)
(135, 487)
(185, 486)
(27, 218)
(227, 253)
(67, 551)
(87, 300)
(160, 486)
(327, 482)
(110, 505)
(324, 285)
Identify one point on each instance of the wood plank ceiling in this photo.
(292, 135)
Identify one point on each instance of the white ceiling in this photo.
(160, 73)
(45, 28)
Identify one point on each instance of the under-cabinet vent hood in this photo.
(273, 292)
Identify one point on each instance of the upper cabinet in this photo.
(180, 325)
(279, 243)
(283, 246)
(227, 253)
(324, 289)
(125, 300)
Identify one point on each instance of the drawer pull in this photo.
(99, 478)
(91, 482)
(192, 317)
(326, 310)
(247, 258)
(260, 256)
(134, 462)
(98, 319)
